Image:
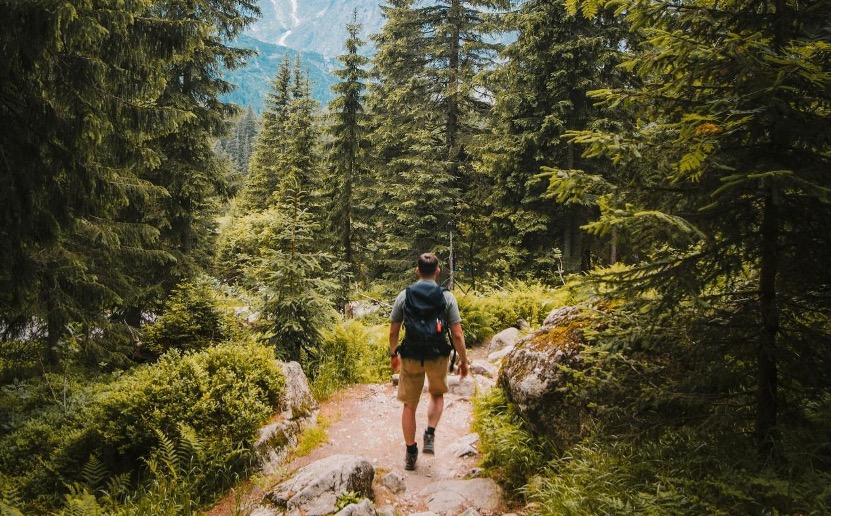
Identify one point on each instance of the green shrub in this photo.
(350, 353)
(680, 473)
(509, 452)
(477, 325)
(191, 320)
(219, 396)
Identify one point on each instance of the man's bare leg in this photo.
(408, 424)
(435, 410)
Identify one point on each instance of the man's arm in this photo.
(459, 344)
(394, 333)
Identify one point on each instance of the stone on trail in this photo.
(394, 482)
(364, 508)
(263, 510)
(315, 489)
(453, 497)
(505, 338)
(497, 356)
(464, 446)
(482, 368)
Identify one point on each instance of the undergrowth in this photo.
(680, 472)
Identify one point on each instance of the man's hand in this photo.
(463, 370)
(396, 363)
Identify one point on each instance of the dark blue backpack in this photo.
(425, 322)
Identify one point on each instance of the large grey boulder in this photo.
(505, 338)
(538, 377)
(298, 411)
(453, 497)
(315, 489)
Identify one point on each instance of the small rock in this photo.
(386, 510)
(473, 473)
(482, 368)
(498, 355)
(470, 512)
(364, 508)
(315, 489)
(394, 482)
(464, 446)
(450, 496)
(503, 339)
(263, 510)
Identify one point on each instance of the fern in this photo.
(94, 473)
(10, 499)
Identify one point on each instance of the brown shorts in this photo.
(411, 379)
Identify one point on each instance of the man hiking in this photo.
(427, 312)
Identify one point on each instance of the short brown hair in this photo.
(427, 264)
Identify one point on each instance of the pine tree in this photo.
(541, 91)
(723, 183)
(348, 174)
(91, 89)
(262, 179)
(428, 107)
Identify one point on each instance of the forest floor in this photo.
(365, 420)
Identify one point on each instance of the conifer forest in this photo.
(662, 165)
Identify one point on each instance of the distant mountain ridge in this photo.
(254, 81)
(315, 25)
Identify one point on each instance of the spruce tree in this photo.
(85, 200)
(428, 107)
(723, 184)
(348, 172)
(262, 179)
(540, 92)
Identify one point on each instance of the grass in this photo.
(311, 438)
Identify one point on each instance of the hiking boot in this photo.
(429, 440)
(411, 458)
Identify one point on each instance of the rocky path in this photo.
(364, 438)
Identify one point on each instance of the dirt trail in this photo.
(365, 420)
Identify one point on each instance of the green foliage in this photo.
(509, 452)
(311, 438)
(720, 184)
(191, 320)
(680, 473)
(213, 400)
(517, 304)
(476, 320)
(350, 353)
(109, 186)
(346, 498)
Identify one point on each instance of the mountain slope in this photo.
(315, 25)
(254, 81)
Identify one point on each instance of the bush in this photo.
(350, 353)
(484, 315)
(680, 473)
(477, 325)
(190, 321)
(220, 396)
(509, 452)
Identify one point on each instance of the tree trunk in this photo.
(767, 367)
(52, 356)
